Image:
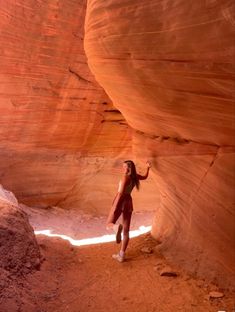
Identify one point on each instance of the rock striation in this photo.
(169, 68)
(166, 93)
(59, 132)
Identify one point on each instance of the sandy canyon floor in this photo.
(87, 279)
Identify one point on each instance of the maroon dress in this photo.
(124, 207)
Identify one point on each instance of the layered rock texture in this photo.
(168, 66)
(62, 140)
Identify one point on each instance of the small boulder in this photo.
(168, 271)
(28, 265)
(18, 246)
(146, 250)
(215, 294)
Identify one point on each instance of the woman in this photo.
(122, 204)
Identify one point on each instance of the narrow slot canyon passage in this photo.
(96, 98)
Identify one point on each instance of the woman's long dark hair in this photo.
(133, 175)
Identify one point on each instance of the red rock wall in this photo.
(168, 66)
(60, 135)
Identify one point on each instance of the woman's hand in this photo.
(143, 177)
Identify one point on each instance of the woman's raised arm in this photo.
(143, 177)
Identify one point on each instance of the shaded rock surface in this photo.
(20, 254)
(18, 246)
(7, 196)
(169, 68)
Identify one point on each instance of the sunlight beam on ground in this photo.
(94, 240)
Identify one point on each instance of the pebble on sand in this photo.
(216, 294)
(146, 250)
(168, 271)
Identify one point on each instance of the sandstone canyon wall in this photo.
(168, 66)
(61, 139)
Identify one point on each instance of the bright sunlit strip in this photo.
(94, 240)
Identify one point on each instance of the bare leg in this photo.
(112, 218)
(125, 240)
(117, 228)
(126, 228)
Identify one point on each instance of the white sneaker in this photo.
(118, 257)
(118, 230)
